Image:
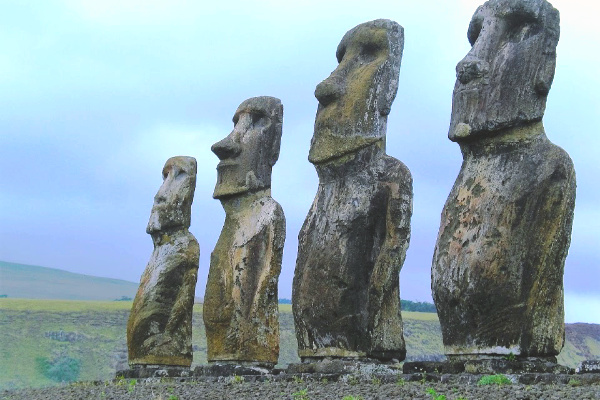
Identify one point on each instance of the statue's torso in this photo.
(160, 325)
(240, 304)
(499, 259)
(339, 248)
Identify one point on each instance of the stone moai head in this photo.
(249, 152)
(505, 78)
(355, 100)
(173, 202)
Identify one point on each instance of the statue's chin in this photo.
(228, 191)
(460, 131)
(327, 147)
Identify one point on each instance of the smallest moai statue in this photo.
(240, 303)
(159, 331)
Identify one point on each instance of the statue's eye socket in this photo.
(474, 30)
(340, 53)
(521, 26)
(257, 119)
(369, 51)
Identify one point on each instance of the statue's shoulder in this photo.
(557, 164)
(268, 208)
(263, 213)
(394, 170)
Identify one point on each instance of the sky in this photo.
(95, 96)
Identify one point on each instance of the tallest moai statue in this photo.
(345, 298)
(497, 273)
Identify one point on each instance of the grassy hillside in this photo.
(87, 340)
(32, 282)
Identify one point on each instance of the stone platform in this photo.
(488, 366)
(459, 373)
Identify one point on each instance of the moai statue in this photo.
(240, 303)
(159, 330)
(346, 299)
(497, 273)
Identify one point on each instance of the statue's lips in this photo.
(226, 164)
(471, 88)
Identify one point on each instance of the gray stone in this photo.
(353, 242)
(153, 371)
(159, 330)
(217, 369)
(438, 367)
(503, 366)
(497, 272)
(240, 303)
(588, 366)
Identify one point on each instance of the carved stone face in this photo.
(249, 152)
(504, 80)
(356, 98)
(173, 202)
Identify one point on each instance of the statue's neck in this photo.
(351, 163)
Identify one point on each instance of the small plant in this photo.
(423, 378)
(376, 381)
(435, 395)
(120, 380)
(237, 379)
(494, 380)
(352, 398)
(324, 380)
(301, 395)
(172, 397)
(574, 382)
(298, 379)
(400, 381)
(353, 380)
(131, 385)
(510, 357)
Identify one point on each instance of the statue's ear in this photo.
(545, 74)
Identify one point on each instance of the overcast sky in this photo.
(95, 96)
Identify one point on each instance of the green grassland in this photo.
(91, 334)
(33, 282)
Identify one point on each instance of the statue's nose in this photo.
(226, 148)
(471, 68)
(330, 90)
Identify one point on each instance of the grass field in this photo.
(91, 335)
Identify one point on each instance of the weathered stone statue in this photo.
(159, 331)
(346, 299)
(240, 302)
(497, 273)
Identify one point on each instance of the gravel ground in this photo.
(171, 390)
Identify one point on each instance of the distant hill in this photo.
(33, 282)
